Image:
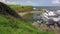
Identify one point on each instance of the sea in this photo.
(52, 8)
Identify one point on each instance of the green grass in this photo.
(19, 6)
(15, 6)
(16, 26)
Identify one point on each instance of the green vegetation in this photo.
(21, 8)
(10, 24)
(16, 26)
(15, 6)
(29, 17)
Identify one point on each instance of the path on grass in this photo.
(23, 13)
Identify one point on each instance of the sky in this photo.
(33, 2)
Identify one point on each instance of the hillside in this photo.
(11, 23)
(20, 8)
(16, 26)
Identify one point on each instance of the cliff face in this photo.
(6, 10)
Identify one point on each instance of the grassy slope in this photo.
(15, 26)
(15, 6)
(19, 6)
